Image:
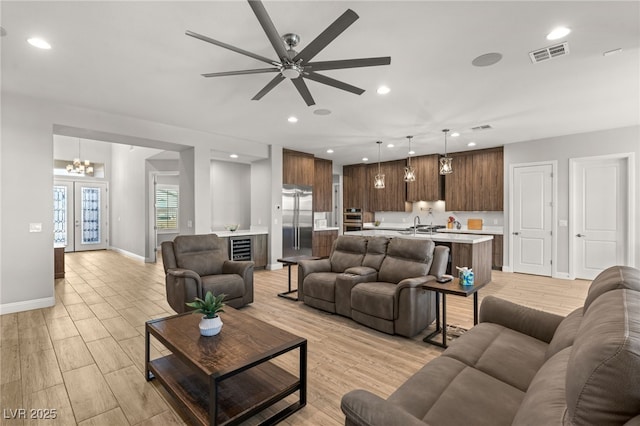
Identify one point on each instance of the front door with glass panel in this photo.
(80, 215)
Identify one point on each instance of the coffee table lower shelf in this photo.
(267, 382)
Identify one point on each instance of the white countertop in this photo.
(486, 230)
(240, 232)
(439, 237)
(326, 228)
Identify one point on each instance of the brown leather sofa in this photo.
(376, 281)
(521, 366)
(195, 264)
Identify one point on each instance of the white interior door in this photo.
(90, 221)
(600, 214)
(531, 238)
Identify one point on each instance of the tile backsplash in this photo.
(439, 216)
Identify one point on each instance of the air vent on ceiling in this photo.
(549, 52)
(483, 127)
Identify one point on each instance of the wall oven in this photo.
(352, 220)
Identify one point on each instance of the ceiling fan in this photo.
(293, 65)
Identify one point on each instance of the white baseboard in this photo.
(506, 269)
(27, 305)
(274, 266)
(562, 276)
(128, 253)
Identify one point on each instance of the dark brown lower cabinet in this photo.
(322, 242)
(497, 252)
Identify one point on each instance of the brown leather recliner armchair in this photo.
(195, 264)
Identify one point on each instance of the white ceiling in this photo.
(133, 58)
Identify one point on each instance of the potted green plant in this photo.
(211, 306)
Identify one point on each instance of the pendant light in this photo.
(409, 172)
(378, 181)
(80, 167)
(445, 162)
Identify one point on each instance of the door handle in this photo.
(515, 233)
(580, 235)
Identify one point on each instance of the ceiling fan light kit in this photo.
(297, 66)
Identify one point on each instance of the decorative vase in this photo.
(210, 326)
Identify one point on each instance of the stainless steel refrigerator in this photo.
(297, 220)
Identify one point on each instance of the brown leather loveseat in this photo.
(376, 281)
(195, 264)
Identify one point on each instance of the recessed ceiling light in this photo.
(365, 159)
(558, 32)
(329, 151)
(322, 111)
(292, 119)
(39, 43)
(233, 155)
(383, 90)
(390, 145)
(471, 144)
(454, 134)
(412, 152)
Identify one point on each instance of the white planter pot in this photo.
(210, 326)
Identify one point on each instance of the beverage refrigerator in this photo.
(297, 220)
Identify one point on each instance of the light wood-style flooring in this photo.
(84, 357)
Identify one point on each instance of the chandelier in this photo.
(445, 162)
(79, 167)
(409, 172)
(378, 180)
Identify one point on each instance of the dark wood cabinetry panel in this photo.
(488, 172)
(297, 168)
(497, 252)
(392, 198)
(323, 185)
(58, 262)
(259, 250)
(458, 194)
(476, 183)
(354, 189)
(476, 256)
(427, 186)
(322, 242)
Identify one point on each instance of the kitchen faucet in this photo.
(430, 215)
(415, 219)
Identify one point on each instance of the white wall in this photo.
(230, 194)
(129, 195)
(28, 125)
(561, 149)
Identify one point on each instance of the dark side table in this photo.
(288, 261)
(452, 287)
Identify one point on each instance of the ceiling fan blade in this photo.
(266, 89)
(269, 28)
(233, 48)
(327, 36)
(243, 72)
(347, 63)
(333, 82)
(303, 90)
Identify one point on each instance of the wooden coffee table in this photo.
(226, 379)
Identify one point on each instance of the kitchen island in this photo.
(472, 251)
